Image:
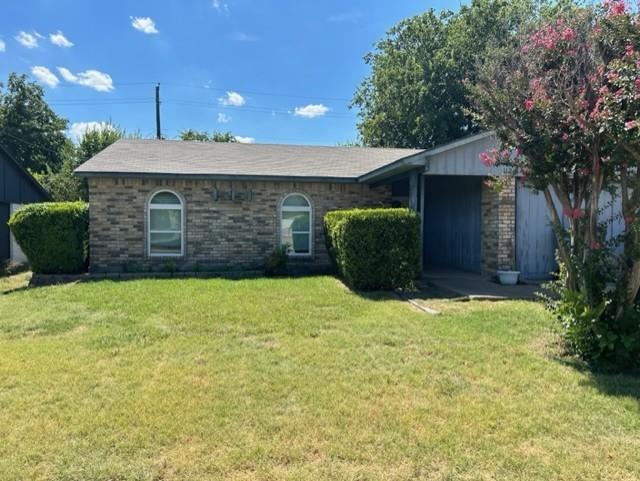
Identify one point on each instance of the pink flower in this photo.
(615, 7)
(565, 137)
(574, 213)
(596, 246)
(568, 34)
(628, 50)
(630, 124)
(486, 159)
(528, 105)
(637, 83)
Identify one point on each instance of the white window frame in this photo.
(151, 207)
(308, 209)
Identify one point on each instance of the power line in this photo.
(221, 89)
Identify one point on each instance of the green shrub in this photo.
(374, 248)
(276, 263)
(54, 236)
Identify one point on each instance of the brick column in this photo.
(498, 228)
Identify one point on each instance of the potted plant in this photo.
(508, 276)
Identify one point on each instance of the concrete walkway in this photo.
(474, 286)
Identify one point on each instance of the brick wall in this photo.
(222, 233)
(498, 228)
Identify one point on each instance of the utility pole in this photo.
(158, 133)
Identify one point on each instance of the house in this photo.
(17, 187)
(157, 204)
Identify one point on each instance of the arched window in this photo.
(165, 224)
(295, 224)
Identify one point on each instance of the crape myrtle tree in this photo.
(565, 102)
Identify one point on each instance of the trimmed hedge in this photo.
(54, 236)
(374, 248)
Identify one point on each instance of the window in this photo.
(295, 224)
(165, 224)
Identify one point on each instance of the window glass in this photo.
(295, 200)
(165, 225)
(166, 219)
(295, 224)
(165, 198)
(170, 243)
(296, 221)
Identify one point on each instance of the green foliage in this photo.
(96, 140)
(29, 128)
(202, 136)
(276, 263)
(415, 95)
(598, 334)
(62, 183)
(54, 236)
(375, 248)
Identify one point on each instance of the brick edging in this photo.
(52, 279)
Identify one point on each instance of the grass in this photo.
(296, 380)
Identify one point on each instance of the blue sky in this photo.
(279, 71)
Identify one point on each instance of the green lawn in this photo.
(296, 379)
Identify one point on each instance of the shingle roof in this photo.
(173, 157)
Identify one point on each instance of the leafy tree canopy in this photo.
(415, 96)
(203, 136)
(29, 128)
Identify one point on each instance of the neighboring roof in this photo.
(24, 172)
(235, 160)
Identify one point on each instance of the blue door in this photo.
(535, 240)
(452, 220)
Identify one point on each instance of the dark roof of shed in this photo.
(8, 155)
(212, 159)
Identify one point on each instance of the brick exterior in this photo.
(219, 233)
(498, 229)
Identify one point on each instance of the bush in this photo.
(374, 248)
(276, 263)
(54, 236)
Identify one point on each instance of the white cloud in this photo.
(232, 98)
(311, 111)
(221, 7)
(3, 46)
(245, 140)
(144, 24)
(45, 76)
(27, 39)
(223, 118)
(94, 79)
(79, 129)
(60, 40)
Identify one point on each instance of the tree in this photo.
(203, 136)
(96, 140)
(62, 183)
(564, 101)
(29, 128)
(415, 96)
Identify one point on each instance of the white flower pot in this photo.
(508, 278)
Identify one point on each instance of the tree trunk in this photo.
(562, 247)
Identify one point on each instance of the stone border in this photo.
(38, 280)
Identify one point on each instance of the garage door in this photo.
(452, 213)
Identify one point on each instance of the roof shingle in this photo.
(211, 159)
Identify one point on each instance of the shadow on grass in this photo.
(606, 380)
